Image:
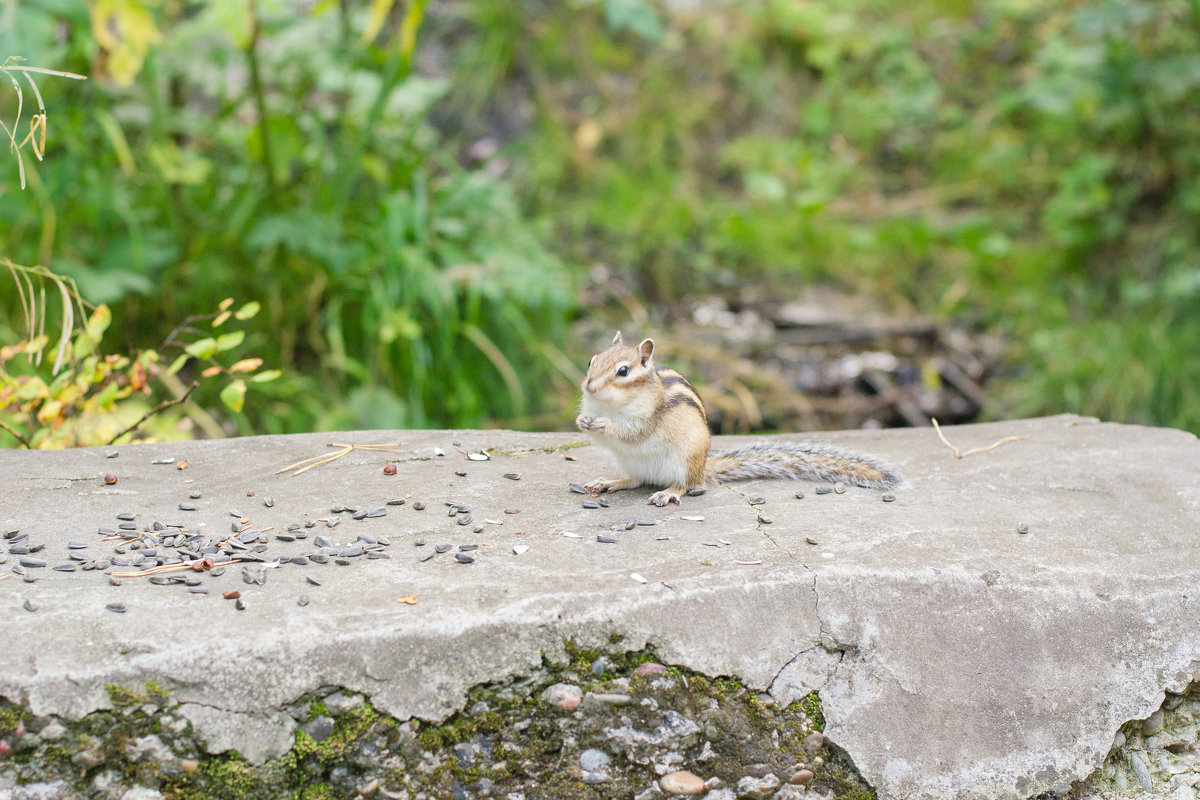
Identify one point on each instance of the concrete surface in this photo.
(954, 655)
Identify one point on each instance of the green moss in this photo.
(810, 706)
(128, 697)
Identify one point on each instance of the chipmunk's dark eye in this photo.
(622, 371)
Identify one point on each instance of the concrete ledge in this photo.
(953, 654)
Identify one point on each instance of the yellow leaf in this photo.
(224, 315)
(125, 30)
(246, 365)
(210, 372)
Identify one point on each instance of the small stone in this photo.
(802, 778)
(757, 788)
(110, 479)
(389, 469)
(319, 728)
(563, 695)
(682, 782)
(593, 760)
(651, 668)
(814, 741)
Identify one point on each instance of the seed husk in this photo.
(513, 476)
(468, 547)
(65, 568)
(187, 506)
(28, 561)
(839, 487)
(442, 547)
(1023, 528)
(377, 554)
(696, 491)
(312, 580)
(29, 605)
(576, 488)
(303, 601)
(398, 501)
(887, 498)
(359, 515)
(116, 608)
(605, 539)
(646, 521)
(823, 490)
(590, 504)
(377, 512)
(463, 558)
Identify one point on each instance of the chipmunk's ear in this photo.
(646, 350)
(617, 341)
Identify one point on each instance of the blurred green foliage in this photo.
(1029, 166)
(264, 151)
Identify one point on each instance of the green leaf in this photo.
(202, 348)
(234, 395)
(228, 341)
(266, 375)
(247, 311)
(178, 363)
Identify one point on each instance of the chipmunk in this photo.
(652, 419)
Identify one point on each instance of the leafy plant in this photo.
(86, 397)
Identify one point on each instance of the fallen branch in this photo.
(961, 454)
(196, 565)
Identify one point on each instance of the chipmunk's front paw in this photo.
(592, 424)
(664, 497)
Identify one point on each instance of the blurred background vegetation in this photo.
(432, 213)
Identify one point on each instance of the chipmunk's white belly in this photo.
(653, 460)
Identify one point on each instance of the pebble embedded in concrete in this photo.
(682, 782)
(563, 695)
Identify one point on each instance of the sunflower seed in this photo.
(351, 552)
(399, 501)
(377, 554)
(463, 558)
(577, 489)
(590, 504)
(887, 498)
(468, 547)
(116, 608)
(463, 519)
(696, 491)
(318, 558)
(359, 515)
(66, 568)
(377, 512)
(299, 560)
(428, 555)
(442, 547)
(513, 476)
(646, 521)
(28, 561)
(823, 490)
(164, 461)
(197, 590)
(605, 539)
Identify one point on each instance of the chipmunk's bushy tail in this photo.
(799, 461)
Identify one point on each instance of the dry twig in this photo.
(961, 454)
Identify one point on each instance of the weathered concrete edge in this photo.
(241, 715)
